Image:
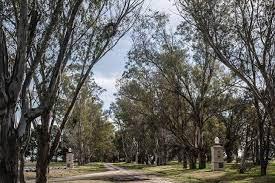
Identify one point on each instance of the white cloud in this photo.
(161, 5)
(108, 83)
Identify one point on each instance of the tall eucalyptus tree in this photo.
(39, 42)
(242, 36)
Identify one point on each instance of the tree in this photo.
(39, 41)
(10, 84)
(195, 82)
(241, 34)
(142, 137)
(89, 132)
(233, 119)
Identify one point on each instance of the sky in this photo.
(108, 70)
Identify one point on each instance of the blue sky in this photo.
(111, 67)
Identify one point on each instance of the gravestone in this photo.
(70, 159)
(217, 156)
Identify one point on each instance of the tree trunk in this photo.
(10, 87)
(192, 164)
(246, 148)
(146, 160)
(267, 147)
(180, 155)
(236, 155)
(257, 159)
(200, 145)
(263, 167)
(156, 159)
(9, 147)
(81, 154)
(136, 157)
(42, 162)
(208, 157)
(228, 148)
(141, 158)
(127, 159)
(243, 160)
(184, 160)
(192, 161)
(21, 169)
(262, 149)
(43, 150)
(202, 160)
(153, 160)
(165, 155)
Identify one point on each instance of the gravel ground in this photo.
(114, 174)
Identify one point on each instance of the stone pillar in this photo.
(217, 154)
(70, 159)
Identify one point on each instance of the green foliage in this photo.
(170, 92)
(89, 132)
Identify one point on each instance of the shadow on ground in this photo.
(111, 177)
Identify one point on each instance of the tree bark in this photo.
(8, 147)
(243, 161)
(192, 164)
(263, 167)
(228, 148)
(245, 152)
(141, 158)
(43, 149)
(236, 155)
(184, 160)
(192, 161)
(156, 159)
(200, 146)
(262, 149)
(180, 155)
(136, 157)
(202, 159)
(8, 135)
(21, 169)
(165, 155)
(257, 159)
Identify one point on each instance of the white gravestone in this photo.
(70, 159)
(217, 156)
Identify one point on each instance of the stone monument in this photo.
(217, 156)
(70, 158)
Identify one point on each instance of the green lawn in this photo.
(91, 168)
(52, 164)
(175, 172)
(61, 172)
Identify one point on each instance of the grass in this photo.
(52, 164)
(174, 171)
(77, 170)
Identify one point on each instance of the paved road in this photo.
(114, 174)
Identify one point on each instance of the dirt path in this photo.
(114, 174)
